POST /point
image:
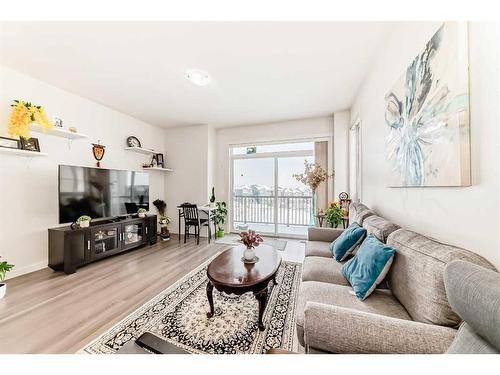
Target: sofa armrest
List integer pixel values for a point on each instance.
(323, 234)
(342, 330)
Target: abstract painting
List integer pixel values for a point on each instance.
(427, 115)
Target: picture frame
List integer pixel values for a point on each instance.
(30, 144)
(160, 160)
(10, 143)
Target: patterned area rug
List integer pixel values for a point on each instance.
(178, 314)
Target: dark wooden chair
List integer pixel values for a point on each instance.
(192, 220)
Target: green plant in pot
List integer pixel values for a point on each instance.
(334, 214)
(220, 215)
(83, 221)
(4, 268)
(142, 212)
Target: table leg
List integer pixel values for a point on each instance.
(210, 297)
(262, 298)
(179, 226)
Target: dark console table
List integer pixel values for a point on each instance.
(72, 248)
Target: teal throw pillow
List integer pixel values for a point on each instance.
(345, 244)
(368, 268)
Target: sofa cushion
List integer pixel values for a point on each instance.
(369, 267)
(474, 294)
(381, 302)
(318, 249)
(469, 342)
(417, 272)
(323, 269)
(358, 212)
(345, 245)
(379, 227)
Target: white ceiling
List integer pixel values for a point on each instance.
(261, 72)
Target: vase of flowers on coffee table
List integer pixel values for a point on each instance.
(251, 240)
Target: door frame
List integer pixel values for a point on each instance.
(274, 155)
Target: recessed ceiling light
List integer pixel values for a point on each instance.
(198, 77)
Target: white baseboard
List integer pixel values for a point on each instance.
(26, 269)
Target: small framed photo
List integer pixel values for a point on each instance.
(160, 161)
(30, 144)
(9, 143)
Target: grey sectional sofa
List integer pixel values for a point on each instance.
(408, 313)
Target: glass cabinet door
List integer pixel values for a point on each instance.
(133, 234)
(105, 240)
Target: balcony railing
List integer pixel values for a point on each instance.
(261, 209)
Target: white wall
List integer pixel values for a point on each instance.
(191, 153)
(465, 216)
(320, 127)
(28, 187)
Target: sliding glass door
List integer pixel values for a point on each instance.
(265, 195)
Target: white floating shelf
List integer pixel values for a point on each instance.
(141, 150)
(159, 169)
(18, 152)
(58, 132)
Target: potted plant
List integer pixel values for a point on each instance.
(219, 217)
(4, 268)
(334, 214)
(83, 221)
(142, 212)
(22, 115)
(251, 240)
(314, 174)
(164, 220)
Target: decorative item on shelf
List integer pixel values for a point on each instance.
(219, 217)
(142, 212)
(153, 163)
(98, 151)
(334, 214)
(22, 115)
(4, 268)
(83, 221)
(10, 143)
(251, 240)
(345, 202)
(58, 122)
(30, 144)
(72, 129)
(160, 160)
(212, 197)
(313, 176)
(133, 141)
(164, 220)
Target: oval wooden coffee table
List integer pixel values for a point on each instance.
(228, 274)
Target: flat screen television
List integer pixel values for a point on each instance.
(100, 193)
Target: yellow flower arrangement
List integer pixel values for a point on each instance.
(21, 117)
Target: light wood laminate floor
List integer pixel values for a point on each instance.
(50, 312)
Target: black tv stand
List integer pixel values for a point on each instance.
(72, 248)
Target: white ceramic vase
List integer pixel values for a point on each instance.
(3, 289)
(249, 253)
(83, 224)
